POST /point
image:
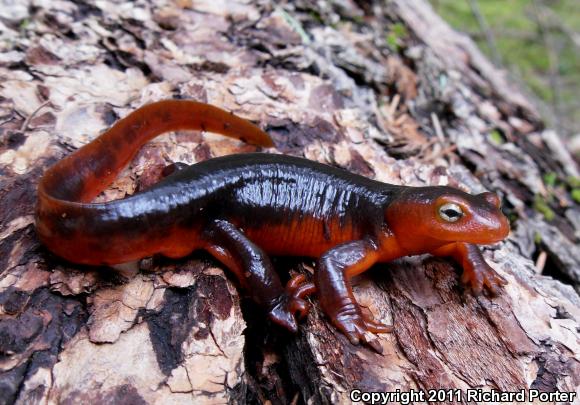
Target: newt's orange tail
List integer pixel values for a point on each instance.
(85, 173)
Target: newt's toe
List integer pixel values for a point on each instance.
(281, 316)
(359, 328)
(483, 278)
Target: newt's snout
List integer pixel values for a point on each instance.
(491, 198)
(489, 213)
(498, 224)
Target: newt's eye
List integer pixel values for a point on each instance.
(450, 212)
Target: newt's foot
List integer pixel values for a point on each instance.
(284, 312)
(281, 315)
(292, 303)
(483, 276)
(359, 328)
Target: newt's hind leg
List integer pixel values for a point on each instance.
(255, 273)
(173, 168)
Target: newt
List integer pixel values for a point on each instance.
(243, 208)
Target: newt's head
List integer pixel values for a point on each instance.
(445, 214)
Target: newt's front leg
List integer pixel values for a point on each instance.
(477, 274)
(332, 279)
(256, 274)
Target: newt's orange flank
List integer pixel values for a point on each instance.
(243, 208)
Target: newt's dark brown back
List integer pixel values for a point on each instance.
(285, 204)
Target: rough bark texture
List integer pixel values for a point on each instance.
(384, 89)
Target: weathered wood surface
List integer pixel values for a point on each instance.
(339, 82)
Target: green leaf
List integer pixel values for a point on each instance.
(393, 42)
(496, 137)
(399, 30)
(550, 179)
(576, 195)
(395, 37)
(543, 208)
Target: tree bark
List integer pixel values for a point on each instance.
(383, 89)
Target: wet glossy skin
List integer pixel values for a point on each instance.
(243, 208)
